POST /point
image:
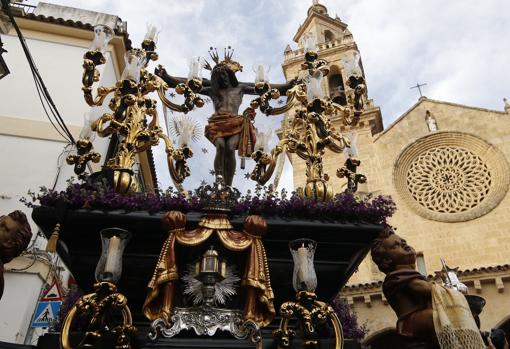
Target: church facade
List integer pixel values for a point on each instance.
(446, 167)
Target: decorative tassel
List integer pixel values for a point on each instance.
(52, 241)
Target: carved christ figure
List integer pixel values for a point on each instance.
(226, 129)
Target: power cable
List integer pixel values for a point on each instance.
(44, 95)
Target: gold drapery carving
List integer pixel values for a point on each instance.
(259, 305)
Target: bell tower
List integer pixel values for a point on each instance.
(336, 45)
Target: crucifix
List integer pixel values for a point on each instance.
(418, 85)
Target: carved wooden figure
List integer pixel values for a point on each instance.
(15, 234)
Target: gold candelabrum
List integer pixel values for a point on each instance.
(310, 312)
(104, 313)
(134, 118)
(83, 155)
(348, 171)
(309, 132)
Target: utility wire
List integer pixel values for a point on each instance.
(42, 91)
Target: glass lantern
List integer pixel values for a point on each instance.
(314, 86)
(152, 33)
(261, 72)
(102, 36)
(88, 119)
(352, 151)
(352, 66)
(263, 139)
(135, 61)
(310, 42)
(195, 68)
(303, 277)
(113, 242)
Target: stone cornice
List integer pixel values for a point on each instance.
(470, 276)
(425, 99)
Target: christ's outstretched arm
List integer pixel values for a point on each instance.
(173, 81)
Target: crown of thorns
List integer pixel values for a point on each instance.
(227, 61)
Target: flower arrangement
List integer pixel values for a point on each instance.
(262, 201)
(349, 320)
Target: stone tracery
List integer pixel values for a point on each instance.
(449, 179)
(451, 176)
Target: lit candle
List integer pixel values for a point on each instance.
(302, 253)
(112, 257)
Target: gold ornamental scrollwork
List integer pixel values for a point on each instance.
(309, 132)
(133, 117)
(310, 313)
(95, 308)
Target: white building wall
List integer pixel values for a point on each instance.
(33, 162)
(17, 305)
(60, 65)
(30, 153)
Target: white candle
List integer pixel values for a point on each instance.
(302, 254)
(310, 42)
(86, 131)
(260, 74)
(353, 150)
(314, 86)
(195, 68)
(102, 35)
(112, 255)
(151, 32)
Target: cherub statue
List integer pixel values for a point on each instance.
(406, 290)
(226, 129)
(15, 234)
(428, 313)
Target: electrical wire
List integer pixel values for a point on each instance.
(32, 251)
(60, 163)
(44, 95)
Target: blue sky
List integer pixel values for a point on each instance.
(460, 48)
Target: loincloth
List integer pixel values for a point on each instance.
(223, 125)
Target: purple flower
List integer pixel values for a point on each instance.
(349, 321)
(100, 196)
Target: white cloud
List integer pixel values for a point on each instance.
(458, 47)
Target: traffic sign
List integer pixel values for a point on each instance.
(46, 312)
(53, 293)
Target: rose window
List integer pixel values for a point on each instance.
(451, 176)
(448, 179)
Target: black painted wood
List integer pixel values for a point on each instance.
(51, 341)
(341, 247)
